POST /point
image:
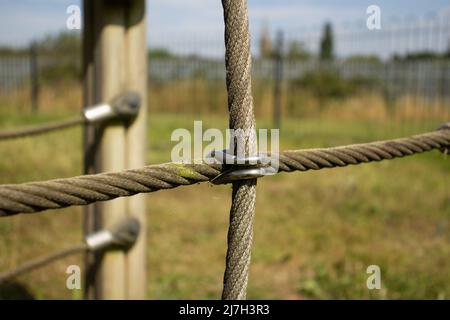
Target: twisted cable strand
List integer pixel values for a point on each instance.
(240, 106)
(34, 197)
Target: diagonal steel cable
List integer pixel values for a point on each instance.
(121, 236)
(42, 261)
(125, 107)
(40, 129)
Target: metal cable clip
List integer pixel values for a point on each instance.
(125, 106)
(241, 168)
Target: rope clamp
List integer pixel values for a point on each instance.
(125, 107)
(241, 168)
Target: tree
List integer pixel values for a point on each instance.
(366, 59)
(66, 44)
(297, 51)
(326, 43)
(265, 44)
(59, 57)
(447, 54)
(159, 53)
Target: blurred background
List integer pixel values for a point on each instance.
(322, 77)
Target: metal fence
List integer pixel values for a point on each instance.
(14, 74)
(406, 62)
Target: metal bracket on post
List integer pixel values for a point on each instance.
(125, 107)
(120, 237)
(241, 168)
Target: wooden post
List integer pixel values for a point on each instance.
(278, 77)
(90, 140)
(114, 44)
(136, 143)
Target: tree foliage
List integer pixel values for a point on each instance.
(326, 43)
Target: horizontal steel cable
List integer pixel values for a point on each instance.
(38, 196)
(40, 129)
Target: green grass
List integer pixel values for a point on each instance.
(315, 232)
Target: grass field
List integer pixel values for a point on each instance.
(315, 232)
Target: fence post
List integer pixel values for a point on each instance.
(90, 140)
(114, 41)
(136, 143)
(278, 78)
(34, 84)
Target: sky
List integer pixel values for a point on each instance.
(170, 22)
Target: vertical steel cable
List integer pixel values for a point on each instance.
(240, 106)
